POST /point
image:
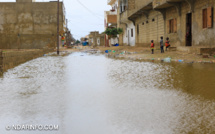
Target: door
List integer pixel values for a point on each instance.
(189, 29)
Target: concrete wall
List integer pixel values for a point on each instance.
(14, 58)
(28, 25)
(203, 37)
(152, 30)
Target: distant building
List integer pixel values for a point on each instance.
(26, 24)
(96, 39)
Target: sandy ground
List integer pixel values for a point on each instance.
(141, 53)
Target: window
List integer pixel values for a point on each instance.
(123, 6)
(132, 34)
(172, 26)
(98, 41)
(207, 17)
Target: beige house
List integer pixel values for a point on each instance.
(188, 23)
(96, 39)
(26, 24)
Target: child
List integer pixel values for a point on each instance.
(167, 43)
(161, 44)
(152, 46)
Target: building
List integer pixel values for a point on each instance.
(188, 23)
(25, 24)
(96, 39)
(125, 8)
(111, 21)
(149, 23)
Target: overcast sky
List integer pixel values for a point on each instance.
(83, 15)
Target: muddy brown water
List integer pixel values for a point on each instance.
(93, 94)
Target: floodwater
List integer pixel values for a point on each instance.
(92, 94)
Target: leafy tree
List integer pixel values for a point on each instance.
(77, 42)
(113, 32)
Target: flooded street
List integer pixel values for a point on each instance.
(92, 94)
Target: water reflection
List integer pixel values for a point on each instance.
(89, 94)
(157, 98)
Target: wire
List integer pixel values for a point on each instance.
(75, 23)
(89, 10)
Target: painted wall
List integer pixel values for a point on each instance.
(131, 40)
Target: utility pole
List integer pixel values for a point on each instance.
(58, 14)
(67, 33)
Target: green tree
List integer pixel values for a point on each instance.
(77, 42)
(113, 32)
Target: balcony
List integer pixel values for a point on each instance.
(144, 9)
(112, 19)
(159, 4)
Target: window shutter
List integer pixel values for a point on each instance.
(204, 18)
(209, 17)
(175, 25)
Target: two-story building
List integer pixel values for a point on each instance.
(188, 23)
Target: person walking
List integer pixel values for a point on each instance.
(161, 44)
(167, 43)
(152, 46)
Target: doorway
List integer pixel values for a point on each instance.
(189, 29)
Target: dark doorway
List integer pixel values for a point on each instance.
(189, 29)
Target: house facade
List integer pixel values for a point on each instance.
(188, 23)
(96, 39)
(25, 24)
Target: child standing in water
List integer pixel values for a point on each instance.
(152, 46)
(161, 45)
(167, 43)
